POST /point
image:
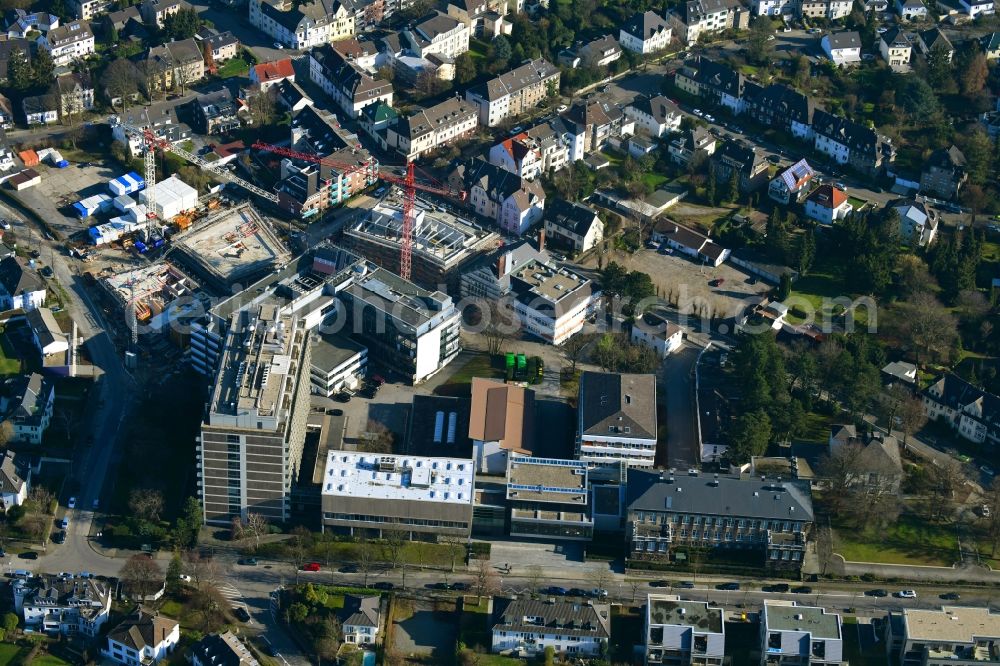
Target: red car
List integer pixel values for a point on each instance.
(718, 282)
(311, 566)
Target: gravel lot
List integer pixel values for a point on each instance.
(61, 188)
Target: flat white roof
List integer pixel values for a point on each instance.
(414, 478)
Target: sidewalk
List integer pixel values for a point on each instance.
(917, 573)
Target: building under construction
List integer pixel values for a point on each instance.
(232, 246)
(442, 243)
(161, 292)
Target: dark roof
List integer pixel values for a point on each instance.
(751, 498)
(359, 611)
(719, 77)
(739, 153)
(216, 104)
(425, 121)
(221, 39)
(947, 158)
(317, 11)
(609, 402)
(781, 101)
(498, 183)
(39, 104)
(68, 83)
(18, 278)
(659, 107)
(565, 618)
(573, 217)
(593, 112)
(896, 38)
(28, 396)
(934, 38)
(516, 79)
(956, 393)
(645, 25)
(347, 76)
(74, 31)
(424, 421)
(142, 628)
(222, 650)
(855, 136)
(844, 40)
(10, 480)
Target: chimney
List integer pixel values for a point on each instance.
(502, 265)
(541, 239)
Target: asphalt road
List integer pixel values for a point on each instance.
(675, 382)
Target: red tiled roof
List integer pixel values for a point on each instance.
(274, 71)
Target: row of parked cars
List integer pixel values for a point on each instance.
(595, 593)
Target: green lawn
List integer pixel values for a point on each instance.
(9, 365)
(654, 179)
(233, 67)
(911, 540)
(478, 48)
(480, 365)
(48, 660)
(821, 283)
(8, 653)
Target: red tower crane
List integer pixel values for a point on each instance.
(408, 182)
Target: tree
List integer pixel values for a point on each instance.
(146, 504)
(204, 570)
(750, 436)
(487, 582)
(945, 478)
(803, 71)
(395, 541)
(465, 68)
(501, 52)
(839, 469)
(991, 500)
(188, 524)
(534, 575)
(263, 106)
(940, 71)
(784, 286)
(19, 73)
(6, 433)
(758, 42)
(141, 575)
(923, 323)
(111, 33)
(573, 349)
(250, 529)
(10, 622)
(711, 193)
(919, 100)
(807, 251)
(912, 416)
(377, 438)
(974, 74)
(174, 570)
(42, 68)
(501, 324)
(366, 558)
(182, 24)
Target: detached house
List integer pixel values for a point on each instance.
(600, 52)
(216, 112)
(689, 243)
(173, 65)
(515, 92)
(827, 204)
(936, 41)
(896, 49)
(973, 413)
(68, 43)
(944, 173)
(573, 224)
(437, 34)
(67, 605)
(526, 627)
(351, 87)
(76, 93)
(646, 32)
(977, 8)
(303, 25)
(40, 109)
(918, 222)
(741, 159)
(990, 44)
(657, 115)
(911, 10)
(501, 424)
(596, 124)
(29, 408)
(14, 484)
(484, 18)
(143, 638)
(656, 332)
(426, 130)
(20, 285)
(51, 343)
(221, 650)
(514, 202)
(695, 141)
(878, 456)
(791, 183)
(269, 74)
(698, 17)
(360, 619)
(156, 12)
(843, 48)
(222, 45)
(616, 419)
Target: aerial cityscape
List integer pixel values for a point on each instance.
(499, 332)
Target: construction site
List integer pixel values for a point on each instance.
(442, 242)
(161, 293)
(231, 246)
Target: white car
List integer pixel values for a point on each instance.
(786, 29)
(279, 45)
(185, 578)
(4, 224)
(697, 112)
(882, 30)
(907, 594)
(710, 118)
(72, 503)
(561, 108)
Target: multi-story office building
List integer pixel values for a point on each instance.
(793, 635)
(951, 635)
(552, 303)
(337, 363)
(616, 418)
(423, 497)
(683, 633)
(252, 437)
(549, 499)
(667, 512)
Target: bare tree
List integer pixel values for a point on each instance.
(487, 582)
(42, 498)
(455, 549)
(249, 530)
(573, 349)
(204, 571)
(634, 585)
(395, 540)
(366, 558)
(120, 81)
(263, 107)
(599, 576)
(945, 479)
(298, 546)
(840, 469)
(141, 575)
(502, 325)
(912, 416)
(377, 438)
(534, 575)
(146, 503)
(6, 430)
(991, 501)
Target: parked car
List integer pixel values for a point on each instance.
(555, 591)
(437, 586)
(248, 561)
(659, 583)
(241, 614)
(4, 224)
(599, 593)
(310, 566)
(802, 589)
(877, 593)
(279, 45)
(28, 555)
(383, 585)
(950, 596)
(686, 585)
(71, 503)
(348, 568)
(718, 282)
(46, 272)
(697, 112)
(907, 594)
(728, 586)
(461, 587)
(576, 592)
(59, 537)
(184, 577)
(63, 523)
(777, 587)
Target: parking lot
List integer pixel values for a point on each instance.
(53, 199)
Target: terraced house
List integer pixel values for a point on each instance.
(514, 92)
(428, 129)
(351, 87)
(302, 25)
(68, 42)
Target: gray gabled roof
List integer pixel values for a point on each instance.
(360, 611)
(573, 217)
(725, 496)
(644, 25)
(844, 40)
(564, 618)
(609, 402)
(16, 278)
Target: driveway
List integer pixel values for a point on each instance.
(675, 384)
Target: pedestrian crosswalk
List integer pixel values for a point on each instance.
(234, 597)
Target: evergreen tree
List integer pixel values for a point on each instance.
(19, 73)
(734, 186)
(42, 68)
(784, 287)
(710, 192)
(807, 251)
(111, 34)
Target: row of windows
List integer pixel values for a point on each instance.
(415, 522)
(658, 518)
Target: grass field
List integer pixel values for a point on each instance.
(8, 365)
(480, 365)
(654, 179)
(911, 540)
(478, 49)
(8, 653)
(48, 660)
(233, 67)
(822, 282)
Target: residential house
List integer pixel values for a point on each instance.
(269, 74)
(830, 10)
(990, 45)
(911, 10)
(549, 498)
(827, 204)
(14, 484)
(292, 97)
(600, 52)
(526, 627)
(65, 604)
(48, 338)
(637, 146)
(426, 130)
(972, 412)
(713, 81)
(976, 8)
(29, 408)
(160, 118)
(360, 619)
(6, 122)
(216, 112)
(120, 19)
(573, 225)
(40, 109)
(597, 123)
(351, 87)
(303, 25)
(896, 49)
(848, 142)
(932, 637)
(76, 93)
(21, 23)
(513, 202)
(616, 419)
(553, 138)
(552, 303)
(695, 141)
(935, 40)
(944, 173)
(514, 92)
(173, 65)
(656, 115)
(775, 7)
(780, 106)
(646, 32)
(842, 48)
(683, 633)
(878, 457)
(221, 650)
(699, 17)
(155, 12)
(485, 18)
(68, 43)
(899, 371)
(791, 634)
(222, 45)
(739, 160)
(437, 34)
(668, 514)
(918, 222)
(791, 183)
(501, 424)
(689, 242)
(21, 288)
(657, 333)
(144, 637)
(518, 154)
